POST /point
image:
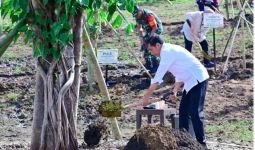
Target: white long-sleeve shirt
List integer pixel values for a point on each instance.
(182, 64)
(197, 19)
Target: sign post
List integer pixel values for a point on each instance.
(107, 57)
(213, 21)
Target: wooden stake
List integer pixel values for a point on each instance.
(227, 12)
(232, 7)
(231, 46)
(242, 35)
(101, 82)
(214, 49)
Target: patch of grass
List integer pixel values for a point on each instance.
(107, 46)
(8, 55)
(235, 130)
(124, 56)
(17, 50)
(3, 105)
(12, 96)
(18, 70)
(152, 2)
(179, 0)
(132, 61)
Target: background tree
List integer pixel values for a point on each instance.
(55, 28)
(1, 28)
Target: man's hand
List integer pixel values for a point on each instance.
(146, 97)
(146, 101)
(196, 39)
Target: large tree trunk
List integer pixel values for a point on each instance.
(57, 94)
(56, 131)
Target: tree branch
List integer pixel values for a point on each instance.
(6, 40)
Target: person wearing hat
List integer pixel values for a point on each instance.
(194, 32)
(189, 73)
(149, 22)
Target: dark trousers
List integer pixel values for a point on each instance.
(201, 5)
(204, 45)
(192, 106)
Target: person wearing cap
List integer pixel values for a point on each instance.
(194, 32)
(190, 74)
(149, 22)
(212, 4)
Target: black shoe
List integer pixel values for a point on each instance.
(209, 64)
(204, 146)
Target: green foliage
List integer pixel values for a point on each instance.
(117, 22)
(108, 14)
(84, 3)
(130, 28)
(15, 9)
(111, 10)
(54, 30)
(235, 130)
(7, 24)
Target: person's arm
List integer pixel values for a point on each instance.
(191, 17)
(165, 62)
(148, 93)
(193, 31)
(139, 30)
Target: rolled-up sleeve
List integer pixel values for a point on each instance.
(164, 65)
(158, 78)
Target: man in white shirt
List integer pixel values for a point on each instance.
(194, 31)
(188, 71)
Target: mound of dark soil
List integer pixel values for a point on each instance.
(185, 141)
(161, 138)
(94, 133)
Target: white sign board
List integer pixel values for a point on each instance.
(107, 56)
(213, 20)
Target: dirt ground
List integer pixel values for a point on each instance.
(229, 97)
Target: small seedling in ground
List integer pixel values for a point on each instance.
(17, 70)
(12, 96)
